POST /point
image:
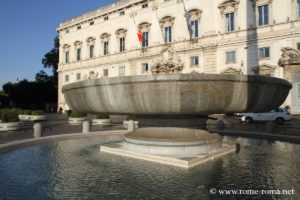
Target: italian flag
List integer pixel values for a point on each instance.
(140, 35)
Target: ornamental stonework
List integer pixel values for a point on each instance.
(231, 5)
(167, 63)
(289, 56)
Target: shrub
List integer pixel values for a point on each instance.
(19, 111)
(37, 112)
(27, 112)
(77, 114)
(131, 117)
(9, 116)
(102, 116)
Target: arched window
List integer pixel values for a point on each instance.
(91, 46)
(167, 24)
(66, 50)
(121, 36)
(195, 16)
(78, 46)
(228, 9)
(105, 43)
(145, 29)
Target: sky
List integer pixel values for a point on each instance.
(27, 30)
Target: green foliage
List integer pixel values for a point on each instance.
(27, 112)
(131, 117)
(17, 110)
(42, 76)
(37, 112)
(51, 59)
(75, 114)
(9, 115)
(4, 101)
(102, 116)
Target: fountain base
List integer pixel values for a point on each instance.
(182, 147)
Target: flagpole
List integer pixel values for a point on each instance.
(154, 8)
(134, 22)
(187, 18)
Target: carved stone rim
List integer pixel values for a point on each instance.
(175, 77)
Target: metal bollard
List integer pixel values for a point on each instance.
(37, 130)
(131, 126)
(86, 127)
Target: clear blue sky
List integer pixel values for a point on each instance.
(27, 30)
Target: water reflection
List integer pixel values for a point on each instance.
(75, 169)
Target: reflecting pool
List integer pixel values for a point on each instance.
(76, 169)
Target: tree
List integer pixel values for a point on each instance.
(51, 59)
(42, 76)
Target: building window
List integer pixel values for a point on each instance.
(229, 22)
(264, 52)
(66, 78)
(230, 57)
(67, 55)
(145, 67)
(145, 39)
(78, 54)
(298, 46)
(78, 27)
(78, 76)
(194, 27)
(263, 15)
(122, 44)
(194, 61)
(121, 13)
(145, 5)
(105, 48)
(91, 51)
(92, 23)
(67, 31)
(168, 34)
(105, 72)
(121, 71)
(105, 18)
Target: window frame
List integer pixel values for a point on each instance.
(105, 48)
(145, 5)
(194, 61)
(229, 57)
(78, 54)
(78, 76)
(168, 34)
(230, 22)
(91, 51)
(67, 78)
(262, 53)
(195, 28)
(122, 44)
(145, 68)
(105, 72)
(145, 42)
(264, 21)
(67, 56)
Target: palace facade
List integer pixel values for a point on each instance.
(216, 36)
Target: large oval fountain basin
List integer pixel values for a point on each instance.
(177, 94)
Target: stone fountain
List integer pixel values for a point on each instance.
(173, 108)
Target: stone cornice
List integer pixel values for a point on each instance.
(98, 13)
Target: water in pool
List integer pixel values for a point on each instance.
(75, 169)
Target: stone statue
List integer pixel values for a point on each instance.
(167, 63)
(288, 55)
